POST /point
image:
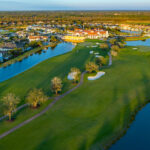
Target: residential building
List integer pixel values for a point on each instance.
(7, 46)
(21, 34)
(90, 34)
(37, 38)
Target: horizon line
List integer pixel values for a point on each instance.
(78, 10)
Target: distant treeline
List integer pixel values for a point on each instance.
(65, 17)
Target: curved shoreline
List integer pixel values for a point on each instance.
(23, 56)
(19, 67)
(19, 58)
(124, 131)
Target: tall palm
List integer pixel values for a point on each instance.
(35, 97)
(76, 74)
(56, 85)
(10, 102)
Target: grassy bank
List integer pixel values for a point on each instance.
(92, 115)
(94, 40)
(21, 57)
(136, 38)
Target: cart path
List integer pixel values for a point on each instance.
(50, 105)
(45, 110)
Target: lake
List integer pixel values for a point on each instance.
(138, 43)
(27, 63)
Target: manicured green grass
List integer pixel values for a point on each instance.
(94, 40)
(21, 116)
(93, 114)
(136, 38)
(143, 48)
(40, 76)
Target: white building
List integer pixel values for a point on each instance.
(91, 34)
(37, 38)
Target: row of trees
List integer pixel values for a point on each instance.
(95, 66)
(10, 101)
(34, 44)
(56, 83)
(23, 18)
(104, 46)
(36, 97)
(116, 44)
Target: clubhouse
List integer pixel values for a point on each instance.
(79, 35)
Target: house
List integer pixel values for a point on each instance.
(50, 30)
(111, 26)
(147, 34)
(33, 27)
(21, 34)
(125, 27)
(40, 22)
(37, 38)
(7, 46)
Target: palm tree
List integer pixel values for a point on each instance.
(36, 97)
(112, 41)
(91, 67)
(56, 85)
(100, 61)
(10, 102)
(76, 74)
(115, 48)
(104, 46)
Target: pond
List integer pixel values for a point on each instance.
(138, 135)
(27, 63)
(138, 43)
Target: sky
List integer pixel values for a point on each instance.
(74, 5)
